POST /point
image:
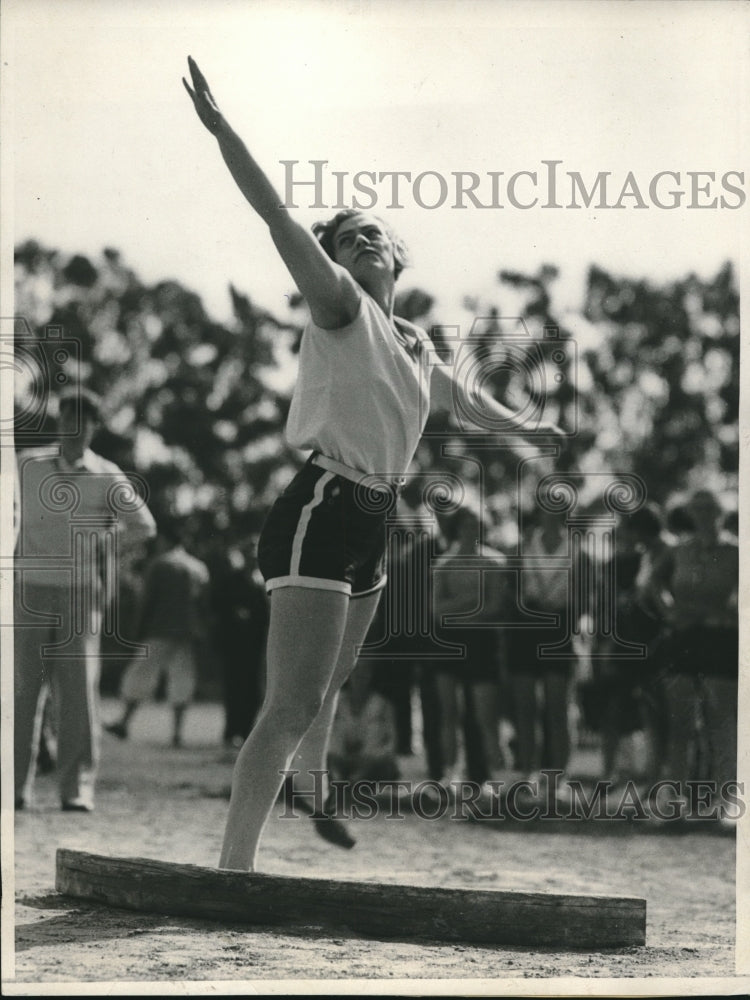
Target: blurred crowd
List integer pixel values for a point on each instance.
(627, 674)
(493, 680)
(485, 662)
(495, 655)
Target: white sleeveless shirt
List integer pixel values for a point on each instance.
(362, 397)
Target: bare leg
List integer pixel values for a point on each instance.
(312, 753)
(306, 633)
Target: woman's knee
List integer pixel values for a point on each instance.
(293, 716)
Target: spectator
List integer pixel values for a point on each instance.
(541, 686)
(241, 619)
(173, 623)
(700, 574)
(73, 504)
(630, 690)
(466, 583)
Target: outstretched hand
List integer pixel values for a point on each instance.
(203, 101)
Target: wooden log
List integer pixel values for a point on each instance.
(374, 909)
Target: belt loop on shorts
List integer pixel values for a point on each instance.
(354, 475)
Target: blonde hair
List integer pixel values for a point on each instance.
(325, 233)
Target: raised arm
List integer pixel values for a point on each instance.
(332, 295)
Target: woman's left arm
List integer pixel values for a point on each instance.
(447, 391)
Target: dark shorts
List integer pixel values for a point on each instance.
(325, 532)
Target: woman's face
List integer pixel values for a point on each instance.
(362, 245)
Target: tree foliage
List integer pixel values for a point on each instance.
(651, 379)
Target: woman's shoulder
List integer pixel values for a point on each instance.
(362, 310)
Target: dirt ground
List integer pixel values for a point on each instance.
(157, 802)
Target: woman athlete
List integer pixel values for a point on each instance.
(366, 380)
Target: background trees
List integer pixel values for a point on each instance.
(197, 407)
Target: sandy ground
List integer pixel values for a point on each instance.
(167, 804)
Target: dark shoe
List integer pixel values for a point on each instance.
(117, 729)
(334, 831)
(330, 828)
(326, 826)
(78, 806)
(20, 804)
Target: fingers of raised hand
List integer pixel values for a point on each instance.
(202, 99)
(199, 81)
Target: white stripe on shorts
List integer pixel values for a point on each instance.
(304, 520)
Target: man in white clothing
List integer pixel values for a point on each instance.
(78, 514)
